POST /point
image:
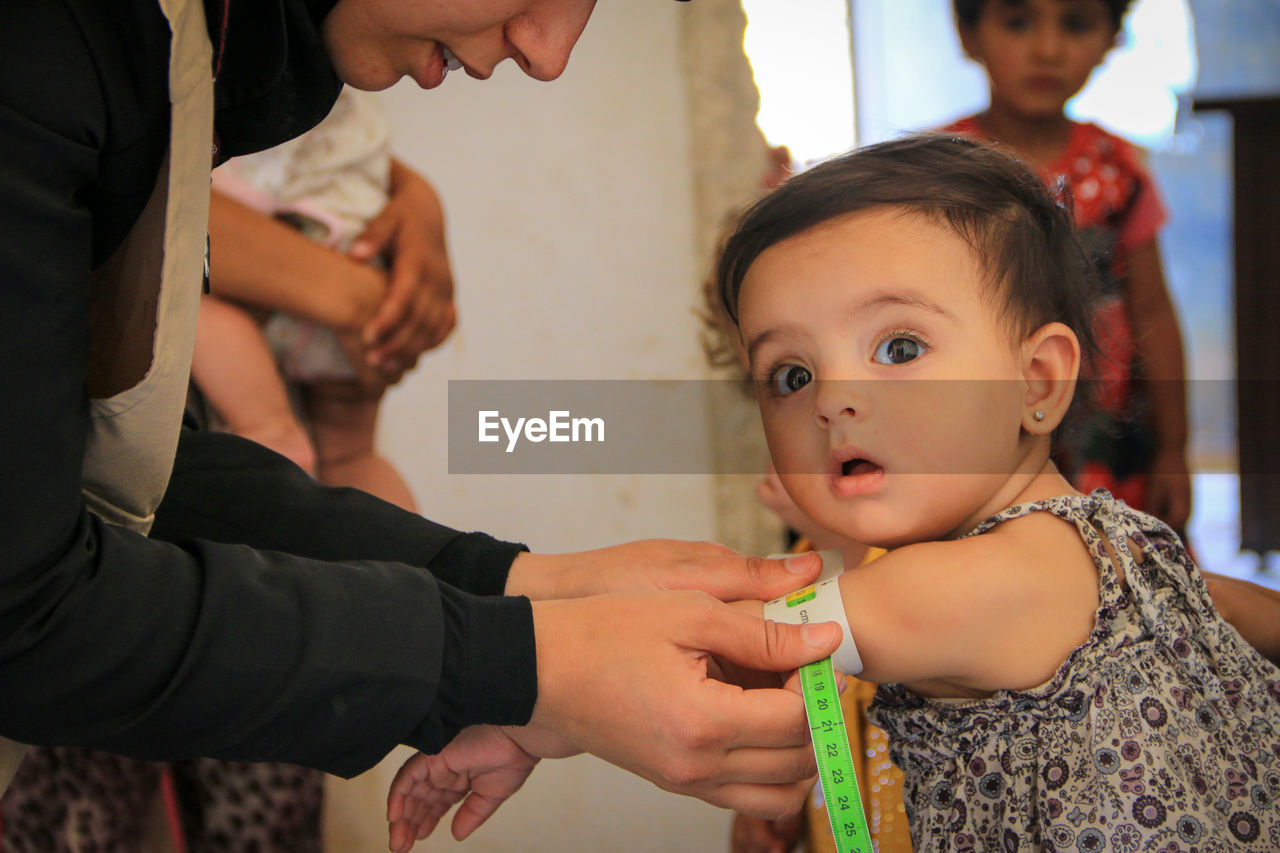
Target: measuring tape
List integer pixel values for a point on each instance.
(836, 773)
(821, 602)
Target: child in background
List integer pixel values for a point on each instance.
(1037, 55)
(328, 183)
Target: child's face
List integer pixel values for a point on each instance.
(1039, 53)
(891, 392)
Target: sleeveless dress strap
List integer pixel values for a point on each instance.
(1095, 518)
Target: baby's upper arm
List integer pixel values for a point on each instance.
(985, 613)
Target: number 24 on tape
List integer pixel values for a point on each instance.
(836, 771)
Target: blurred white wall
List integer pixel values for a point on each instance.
(570, 218)
(570, 223)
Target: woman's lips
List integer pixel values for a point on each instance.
(435, 67)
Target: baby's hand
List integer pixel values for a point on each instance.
(483, 764)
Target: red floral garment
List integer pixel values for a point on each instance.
(1117, 209)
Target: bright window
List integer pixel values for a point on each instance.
(799, 50)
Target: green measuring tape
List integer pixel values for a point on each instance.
(821, 602)
(836, 772)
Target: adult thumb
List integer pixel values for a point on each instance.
(732, 577)
(762, 644)
(375, 239)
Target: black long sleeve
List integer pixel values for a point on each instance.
(326, 651)
(227, 489)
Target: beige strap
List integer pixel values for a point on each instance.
(145, 301)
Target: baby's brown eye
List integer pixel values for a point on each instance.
(898, 350)
(790, 379)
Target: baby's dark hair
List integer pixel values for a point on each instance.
(969, 11)
(1035, 269)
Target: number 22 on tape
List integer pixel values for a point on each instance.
(835, 758)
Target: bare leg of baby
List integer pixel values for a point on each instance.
(235, 370)
(344, 418)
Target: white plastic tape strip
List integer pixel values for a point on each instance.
(821, 602)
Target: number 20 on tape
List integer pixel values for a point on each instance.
(835, 758)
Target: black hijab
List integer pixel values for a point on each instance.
(274, 78)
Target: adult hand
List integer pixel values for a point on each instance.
(1169, 489)
(417, 311)
(660, 564)
(625, 677)
(1252, 609)
(755, 835)
(258, 260)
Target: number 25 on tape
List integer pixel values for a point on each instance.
(835, 758)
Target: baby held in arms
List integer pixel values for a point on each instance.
(1054, 674)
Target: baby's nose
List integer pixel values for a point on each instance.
(837, 399)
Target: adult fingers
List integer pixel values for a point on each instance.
(780, 765)
(793, 685)
(434, 321)
(376, 236)
(770, 802)
(426, 320)
(755, 835)
(403, 286)
(732, 577)
(765, 717)
(763, 644)
(409, 335)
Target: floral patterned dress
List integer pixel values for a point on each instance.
(1160, 733)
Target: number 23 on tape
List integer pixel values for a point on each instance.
(835, 759)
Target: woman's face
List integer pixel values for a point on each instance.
(373, 43)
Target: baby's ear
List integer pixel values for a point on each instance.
(1050, 364)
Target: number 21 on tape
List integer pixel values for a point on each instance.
(835, 758)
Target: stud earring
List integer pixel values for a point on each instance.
(1039, 415)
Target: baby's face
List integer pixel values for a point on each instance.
(891, 393)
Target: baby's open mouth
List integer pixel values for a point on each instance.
(857, 467)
